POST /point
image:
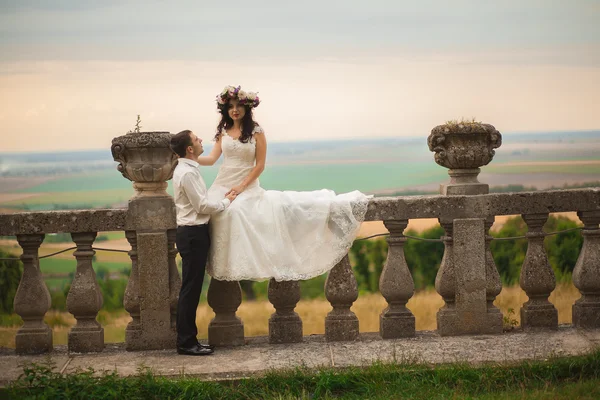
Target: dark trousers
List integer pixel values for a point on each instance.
(193, 243)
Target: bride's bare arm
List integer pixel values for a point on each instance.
(261, 156)
(213, 156)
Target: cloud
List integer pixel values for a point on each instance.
(153, 30)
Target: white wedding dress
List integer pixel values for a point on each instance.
(285, 235)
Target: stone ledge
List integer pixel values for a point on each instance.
(100, 220)
(482, 206)
(258, 357)
(380, 209)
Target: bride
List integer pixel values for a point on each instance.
(267, 234)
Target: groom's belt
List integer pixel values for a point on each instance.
(192, 226)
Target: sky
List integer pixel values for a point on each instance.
(75, 74)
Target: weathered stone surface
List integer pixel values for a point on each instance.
(445, 284)
(62, 221)
(145, 157)
(464, 182)
(380, 208)
(464, 146)
(341, 289)
(154, 286)
(32, 300)
(482, 206)
(225, 329)
(469, 256)
(152, 214)
(396, 286)
(285, 325)
(586, 275)
(537, 278)
(131, 299)
(85, 299)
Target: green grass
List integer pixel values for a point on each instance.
(555, 378)
(108, 179)
(62, 266)
(112, 235)
(104, 186)
(73, 199)
(57, 284)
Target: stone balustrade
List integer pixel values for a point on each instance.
(467, 279)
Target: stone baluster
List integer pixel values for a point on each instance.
(225, 329)
(85, 299)
(397, 286)
(586, 275)
(537, 278)
(174, 278)
(492, 277)
(32, 300)
(445, 283)
(341, 290)
(469, 314)
(285, 325)
(131, 300)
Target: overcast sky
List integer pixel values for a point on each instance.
(74, 74)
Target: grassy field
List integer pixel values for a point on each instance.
(590, 169)
(255, 314)
(71, 199)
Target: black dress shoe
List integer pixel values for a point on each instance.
(195, 350)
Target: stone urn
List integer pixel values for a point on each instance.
(146, 159)
(463, 148)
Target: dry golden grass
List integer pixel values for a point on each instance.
(255, 314)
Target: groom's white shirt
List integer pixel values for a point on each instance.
(191, 201)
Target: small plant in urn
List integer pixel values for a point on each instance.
(146, 159)
(463, 147)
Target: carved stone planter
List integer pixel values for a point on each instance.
(146, 159)
(463, 148)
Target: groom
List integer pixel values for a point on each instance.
(193, 241)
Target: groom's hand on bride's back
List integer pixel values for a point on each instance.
(231, 196)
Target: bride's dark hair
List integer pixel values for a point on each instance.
(248, 123)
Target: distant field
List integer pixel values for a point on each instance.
(369, 165)
(591, 169)
(83, 198)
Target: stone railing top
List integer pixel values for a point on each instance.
(482, 206)
(381, 208)
(100, 220)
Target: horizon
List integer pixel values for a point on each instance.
(314, 140)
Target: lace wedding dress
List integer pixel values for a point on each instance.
(285, 235)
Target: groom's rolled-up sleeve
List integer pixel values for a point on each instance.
(198, 198)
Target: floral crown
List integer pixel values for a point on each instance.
(231, 92)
